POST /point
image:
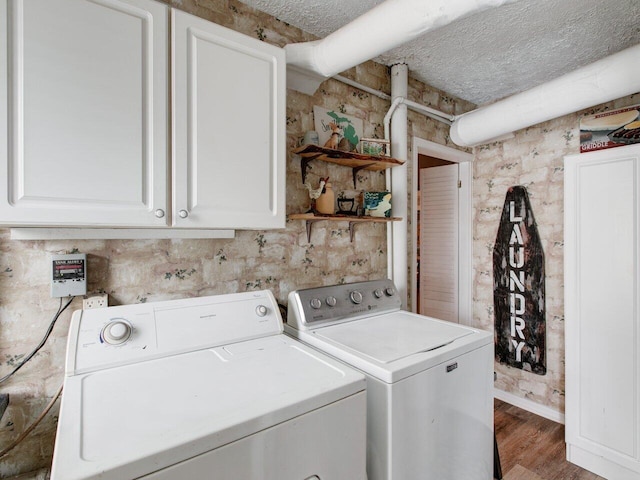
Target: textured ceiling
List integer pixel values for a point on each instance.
(495, 53)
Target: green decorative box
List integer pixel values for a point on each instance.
(375, 146)
(377, 204)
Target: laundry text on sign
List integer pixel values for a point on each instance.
(517, 301)
(518, 286)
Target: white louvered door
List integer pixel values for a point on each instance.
(439, 242)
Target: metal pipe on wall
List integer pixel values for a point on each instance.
(397, 232)
(387, 118)
(416, 107)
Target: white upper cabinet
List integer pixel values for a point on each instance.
(85, 130)
(228, 127)
(84, 108)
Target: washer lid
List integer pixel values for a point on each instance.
(128, 421)
(394, 336)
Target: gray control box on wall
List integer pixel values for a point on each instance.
(68, 275)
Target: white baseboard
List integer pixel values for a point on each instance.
(598, 464)
(529, 406)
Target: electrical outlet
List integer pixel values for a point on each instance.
(100, 300)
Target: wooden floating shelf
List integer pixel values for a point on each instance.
(356, 161)
(311, 218)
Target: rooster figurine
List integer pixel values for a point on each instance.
(314, 193)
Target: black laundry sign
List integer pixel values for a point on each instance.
(518, 287)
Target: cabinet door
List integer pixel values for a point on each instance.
(602, 310)
(84, 86)
(228, 128)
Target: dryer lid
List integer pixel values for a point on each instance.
(393, 336)
(128, 421)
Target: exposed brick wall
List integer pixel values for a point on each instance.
(534, 157)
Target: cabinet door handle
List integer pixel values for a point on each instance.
(183, 214)
(159, 213)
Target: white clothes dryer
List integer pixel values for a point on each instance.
(204, 388)
(429, 382)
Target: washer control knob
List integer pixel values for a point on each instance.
(356, 297)
(316, 303)
(390, 291)
(116, 332)
(331, 301)
(377, 293)
(261, 310)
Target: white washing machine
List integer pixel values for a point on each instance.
(429, 382)
(204, 388)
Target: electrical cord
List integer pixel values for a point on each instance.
(37, 420)
(22, 436)
(42, 342)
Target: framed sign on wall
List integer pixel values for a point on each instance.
(518, 286)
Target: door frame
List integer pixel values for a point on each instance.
(465, 216)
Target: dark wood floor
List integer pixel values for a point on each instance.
(532, 446)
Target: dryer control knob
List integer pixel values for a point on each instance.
(331, 301)
(377, 293)
(316, 303)
(116, 332)
(356, 297)
(389, 291)
(261, 310)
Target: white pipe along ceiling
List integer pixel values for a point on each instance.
(395, 22)
(382, 28)
(612, 77)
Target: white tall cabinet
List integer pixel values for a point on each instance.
(86, 136)
(602, 311)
